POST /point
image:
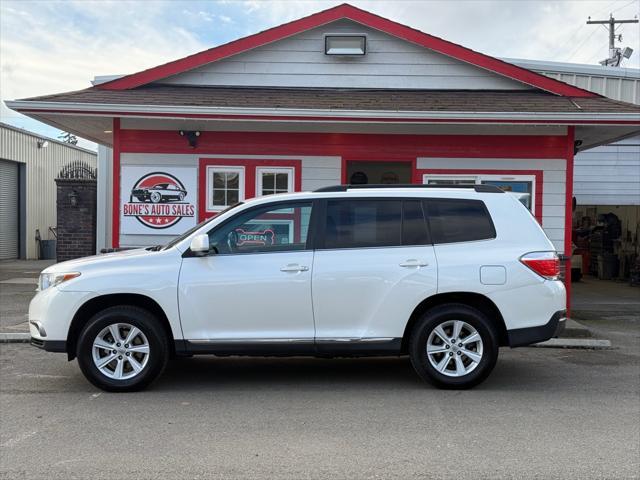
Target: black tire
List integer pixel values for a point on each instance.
(436, 316)
(148, 325)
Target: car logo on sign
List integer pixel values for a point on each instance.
(158, 200)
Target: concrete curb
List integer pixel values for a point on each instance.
(587, 343)
(15, 337)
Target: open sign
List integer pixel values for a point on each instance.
(261, 238)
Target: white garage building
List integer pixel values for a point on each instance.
(29, 164)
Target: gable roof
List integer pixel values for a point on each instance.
(346, 11)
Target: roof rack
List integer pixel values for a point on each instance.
(344, 188)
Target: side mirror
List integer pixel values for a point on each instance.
(200, 245)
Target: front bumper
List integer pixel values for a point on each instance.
(58, 346)
(50, 315)
(520, 337)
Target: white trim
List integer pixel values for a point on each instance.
(290, 171)
(169, 110)
(211, 169)
(479, 178)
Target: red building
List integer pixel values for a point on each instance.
(340, 96)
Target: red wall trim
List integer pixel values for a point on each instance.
(300, 118)
(538, 174)
(364, 146)
(115, 208)
(361, 16)
(250, 166)
(568, 213)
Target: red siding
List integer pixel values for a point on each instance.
(343, 144)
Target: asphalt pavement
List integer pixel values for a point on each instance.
(544, 413)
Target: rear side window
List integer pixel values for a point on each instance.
(363, 223)
(456, 220)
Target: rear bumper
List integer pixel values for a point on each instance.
(520, 337)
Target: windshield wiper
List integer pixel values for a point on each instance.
(154, 248)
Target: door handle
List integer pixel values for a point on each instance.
(412, 262)
(294, 267)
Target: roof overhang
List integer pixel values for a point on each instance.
(313, 115)
(94, 121)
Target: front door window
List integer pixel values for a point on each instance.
(281, 227)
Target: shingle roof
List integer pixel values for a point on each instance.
(345, 99)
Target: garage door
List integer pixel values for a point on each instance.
(8, 210)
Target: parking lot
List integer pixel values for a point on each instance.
(544, 413)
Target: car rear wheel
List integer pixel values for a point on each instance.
(122, 348)
(453, 346)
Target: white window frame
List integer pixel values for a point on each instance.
(211, 169)
(478, 179)
(290, 171)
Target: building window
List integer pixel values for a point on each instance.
(274, 180)
(225, 187)
(523, 186)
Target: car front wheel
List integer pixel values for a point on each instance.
(155, 197)
(122, 348)
(453, 346)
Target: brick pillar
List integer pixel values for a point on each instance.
(76, 210)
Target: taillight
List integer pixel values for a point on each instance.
(545, 264)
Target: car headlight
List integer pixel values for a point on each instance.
(47, 280)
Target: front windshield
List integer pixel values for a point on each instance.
(178, 239)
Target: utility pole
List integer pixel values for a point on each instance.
(615, 54)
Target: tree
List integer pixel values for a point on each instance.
(67, 137)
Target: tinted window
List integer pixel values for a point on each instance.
(275, 228)
(453, 220)
(414, 226)
(363, 223)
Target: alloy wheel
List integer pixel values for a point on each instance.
(120, 351)
(454, 348)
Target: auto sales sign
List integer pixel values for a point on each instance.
(157, 200)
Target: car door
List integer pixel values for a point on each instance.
(255, 285)
(374, 264)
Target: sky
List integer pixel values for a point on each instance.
(56, 46)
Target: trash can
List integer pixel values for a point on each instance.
(47, 249)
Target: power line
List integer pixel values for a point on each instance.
(580, 45)
(625, 5)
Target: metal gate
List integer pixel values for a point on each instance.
(9, 212)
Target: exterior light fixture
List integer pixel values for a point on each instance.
(345, 44)
(73, 198)
(192, 137)
(43, 143)
(108, 131)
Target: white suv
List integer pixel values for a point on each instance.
(445, 275)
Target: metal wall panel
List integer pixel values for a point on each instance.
(43, 165)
